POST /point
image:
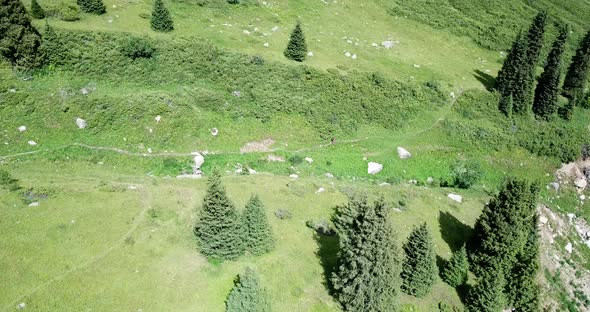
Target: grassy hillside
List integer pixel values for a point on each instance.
(115, 231)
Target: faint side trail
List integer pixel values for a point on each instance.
(272, 150)
(146, 199)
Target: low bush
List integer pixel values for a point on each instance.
(65, 10)
(466, 173)
(135, 48)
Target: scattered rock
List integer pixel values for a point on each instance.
(251, 171)
(132, 187)
(276, 28)
(149, 150)
(347, 54)
(416, 66)
(293, 176)
(329, 175)
(214, 131)
(543, 220)
(388, 44)
(413, 181)
(374, 168)
(569, 247)
(582, 197)
(12, 90)
(384, 184)
(21, 306)
(34, 204)
(158, 118)
(266, 45)
(81, 123)
(374, 45)
(580, 183)
(199, 160)
(32, 143)
(22, 128)
(430, 180)
(238, 171)
(309, 159)
(354, 56)
(403, 153)
(237, 93)
(84, 91)
(310, 54)
(189, 176)
(554, 185)
(320, 190)
(455, 197)
(246, 32)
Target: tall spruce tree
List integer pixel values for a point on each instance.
(92, 6)
(522, 288)
(487, 295)
(367, 278)
(499, 232)
(522, 96)
(247, 294)
(219, 228)
(258, 236)
(297, 48)
(545, 103)
(20, 42)
(36, 10)
(456, 269)
(511, 66)
(577, 74)
(161, 19)
(419, 269)
(51, 45)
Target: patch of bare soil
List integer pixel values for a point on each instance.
(257, 146)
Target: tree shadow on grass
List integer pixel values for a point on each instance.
(488, 81)
(328, 255)
(454, 232)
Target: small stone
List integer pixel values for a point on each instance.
(293, 176)
(158, 118)
(569, 247)
(34, 204)
(251, 171)
(347, 54)
(354, 56)
(413, 181)
(266, 45)
(403, 153)
(12, 90)
(374, 168)
(32, 143)
(329, 175)
(554, 185)
(320, 190)
(455, 197)
(416, 66)
(580, 183)
(81, 123)
(214, 131)
(276, 28)
(309, 159)
(246, 32)
(310, 54)
(84, 91)
(239, 171)
(429, 180)
(237, 93)
(22, 128)
(21, 306)
(149, 150)
(543, 220)
(582, 197)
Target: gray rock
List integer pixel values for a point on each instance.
(569, 248)
(374, 168)
(403, 153)
(455, 197)
(81, 123)
(430, 180)
(554, 185)
(21, 306)
(580, 183)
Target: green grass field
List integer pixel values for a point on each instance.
(115, 233)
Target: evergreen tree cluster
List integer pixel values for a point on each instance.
(92, 6)
(297, 48)
(368, 276)
(504, 251)
(577, 73)
(247, 295)
(222, 233)
(419, 269)
(161, 20)
(20, 42)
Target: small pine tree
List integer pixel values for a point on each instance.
(511, 67)
(486, 295)
(522, 289)
(523, 91)
(20, 42)
(297, 48)
(419, 269)
(567, 111)
(545, 103)
(161, 19)
(36, 10)
(258, 236)
(577, 74)
(247, 294)
(219, 229)
(505, 104)
(367, 279)
(92, 6)
(51, 45)
(455, 271)
(498, 233)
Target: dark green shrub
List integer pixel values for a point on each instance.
(161, 19)
(136, 48)
(297, 48)
(258, 236)
(36, 10)
(64, 10)
(247, 294)
(233, 1)
(466, 173)
(92, 6)
(296, 160)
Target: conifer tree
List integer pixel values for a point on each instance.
(36, 10)
(455, 271)
(92, 6)
(511, 66)
(522, 96)
(577, 74)
(219, 228)
(51, 45)
(297, 48)
(522, 289)
(419, 269)
(20, 42)
(505, 104)
(487, 295)
(161, 19)
(247, 294)
(499, 231)
(258, 237)
(367, 279)
(545, 102)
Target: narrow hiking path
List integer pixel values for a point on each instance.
(146, 199)
(439, 118)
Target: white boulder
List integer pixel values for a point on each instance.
(388, 44)
(21, 306)
(81, 123)
(251, 171)
(329, 175)
(455, 197)
(22, 128)
(309, 159)
(158, 118)
(320, 190)
(374, 168)
(199, 160)
(32, 143)
(403, 153)
(310, 54)
(34, 204)
(580, 183)
(293, 176)
(266, 45)
(569, 247)
(214, 131)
